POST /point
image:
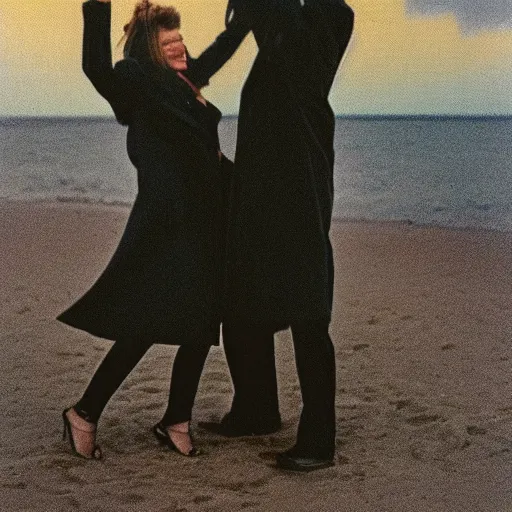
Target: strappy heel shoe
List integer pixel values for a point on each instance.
(96, 451)
(163, 437)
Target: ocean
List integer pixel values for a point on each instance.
(451, 172)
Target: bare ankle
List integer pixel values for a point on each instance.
(182, 428)
(78, 422)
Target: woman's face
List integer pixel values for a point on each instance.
(172, 48)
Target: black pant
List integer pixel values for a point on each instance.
(316, 368)
(120, 361)
(251, 360)
(250, 356)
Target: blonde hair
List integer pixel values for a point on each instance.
(152, 18)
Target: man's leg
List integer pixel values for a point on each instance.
(251, 360)
(316, 367)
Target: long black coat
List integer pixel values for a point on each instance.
(163, 284)
(280, 267)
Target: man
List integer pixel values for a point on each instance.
(279, 257)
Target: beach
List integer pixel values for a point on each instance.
(422, 327)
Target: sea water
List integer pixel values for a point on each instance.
(454, 172)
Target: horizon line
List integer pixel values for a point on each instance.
(234, 116)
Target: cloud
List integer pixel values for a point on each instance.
(472, 15)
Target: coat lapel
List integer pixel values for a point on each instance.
(169, 93)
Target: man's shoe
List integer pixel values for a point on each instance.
(229, 427)
(304, 463)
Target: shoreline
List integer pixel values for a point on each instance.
(126, 205)
(357, 117)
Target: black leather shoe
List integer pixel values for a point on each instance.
(229, 427)
(295, 462)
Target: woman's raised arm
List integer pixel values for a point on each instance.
(96, 50)
(97, 56)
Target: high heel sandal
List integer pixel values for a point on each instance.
(163, 437)
(96, 451)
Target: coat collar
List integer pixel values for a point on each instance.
(168, 92)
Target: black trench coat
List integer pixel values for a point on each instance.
(163, 284)
(280, 267)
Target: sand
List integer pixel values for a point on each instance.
(422, 328)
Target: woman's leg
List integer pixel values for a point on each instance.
(186, 373)
(112, 371)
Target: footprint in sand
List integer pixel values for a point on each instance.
(66, 353)
(249, 504)
(151, 389)
(423, 419)
(244, 484)
(438, 442)
(409, 406)
(475, 430)
(132, 498)
(202, 498)
(216, 375)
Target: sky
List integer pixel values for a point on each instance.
(406, 57)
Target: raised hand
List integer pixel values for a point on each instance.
(235, 13)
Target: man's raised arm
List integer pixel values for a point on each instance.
(217, 54)
(274, 23)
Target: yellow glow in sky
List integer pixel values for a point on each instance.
(396, 64)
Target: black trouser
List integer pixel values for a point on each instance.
(251, 360)
(250, 356)
(120, 361)
(316, 368)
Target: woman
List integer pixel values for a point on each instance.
(163, 284)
